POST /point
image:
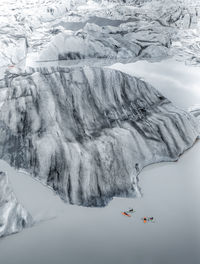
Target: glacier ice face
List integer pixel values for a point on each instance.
(88, 131)
(13, 217)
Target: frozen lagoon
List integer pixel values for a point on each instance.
(102, 235)
(179, 82)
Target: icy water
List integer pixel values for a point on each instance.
(178, 82)
(103, 235)
(73, 235)
(99, 21)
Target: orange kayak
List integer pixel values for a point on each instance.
(124, 213)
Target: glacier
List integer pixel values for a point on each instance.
(105, 34)
(13, 217)
(79, 127)
(98, 32)
(88, 131)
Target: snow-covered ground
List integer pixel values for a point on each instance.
(75, 234)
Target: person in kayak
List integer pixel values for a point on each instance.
(144, 219)
(147, 219)
(125, 213)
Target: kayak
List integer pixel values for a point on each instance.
(147, 219)
(124, 213)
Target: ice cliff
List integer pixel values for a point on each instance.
(13, 217)
(87, 132)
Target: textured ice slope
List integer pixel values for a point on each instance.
(87, 132)
(13, 217)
